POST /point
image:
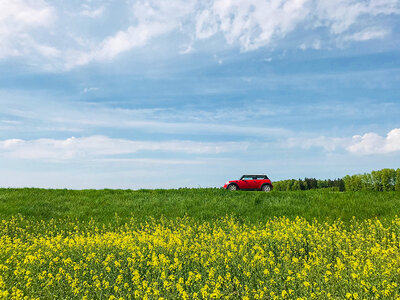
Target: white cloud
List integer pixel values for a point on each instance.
(150, 161)
(340, 15)
(372, 143)
(90, 89)
(12, 122)
(253, 24)
(367, 34)
(22, 13)
(369, 143)
(18, 18)
(206, 24)
(153, 18)
(134, 36)
(186, 49)
(93, 13)
(257, 23)
(328, 143)
(316, 45)
(100, 146)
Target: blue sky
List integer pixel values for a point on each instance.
(168, 94)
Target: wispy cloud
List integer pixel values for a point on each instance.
(11, 122)
(316, 45)
(89, 89)
(185, 49)
(367, 34)
(150, 161)
(90, 12)
(191, 121)
(327, 143)
(152, 18)
(101, 146)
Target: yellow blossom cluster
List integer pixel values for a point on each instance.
(188, 259)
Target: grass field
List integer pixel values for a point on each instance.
(199, 204)
(199, 244)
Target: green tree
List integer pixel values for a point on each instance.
(347, 182)
(357, 182)
(367, 182)
(377, 180)
(301, 184)
(296, 186)
(388, 179)
(397, 185)
(341, 185)
(289, 185)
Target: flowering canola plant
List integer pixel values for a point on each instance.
(188, 259)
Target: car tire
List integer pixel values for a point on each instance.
(266, 188)
(232, 187)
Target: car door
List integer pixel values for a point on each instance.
(246, 183)
(257, 182)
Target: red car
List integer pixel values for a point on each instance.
(250, 182)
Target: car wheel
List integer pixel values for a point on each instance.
(266, 188)
(232, 187)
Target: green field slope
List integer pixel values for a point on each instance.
(199, 204)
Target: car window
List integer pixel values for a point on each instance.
(256, 177)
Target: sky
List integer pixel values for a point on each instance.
(184, 93)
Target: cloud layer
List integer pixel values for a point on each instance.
(93, 147)
(33, 28)
(101, 146)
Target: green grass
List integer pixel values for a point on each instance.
(199, 204)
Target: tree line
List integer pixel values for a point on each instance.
(382, 180)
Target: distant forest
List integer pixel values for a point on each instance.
(382, 180)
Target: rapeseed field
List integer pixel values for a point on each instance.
(184, 258)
